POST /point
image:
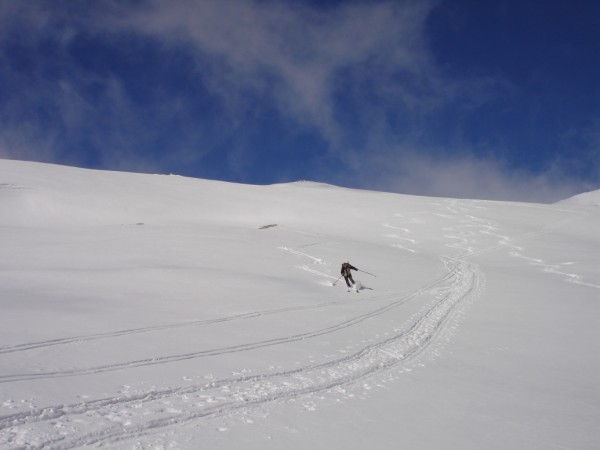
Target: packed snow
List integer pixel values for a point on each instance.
(153, 311)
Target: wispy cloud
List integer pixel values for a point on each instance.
(291, 53)
(464, 176)
(582, 146)
(286, 54)
(174, 84)
(56, 109)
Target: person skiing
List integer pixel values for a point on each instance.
(347, 274)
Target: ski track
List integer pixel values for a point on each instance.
(114, 420)
(113, 334)
(231, 349)
(231, 395)
(315, 260)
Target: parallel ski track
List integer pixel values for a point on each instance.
(244, 316)
(256, 390)
(253, 391)
(230, 349)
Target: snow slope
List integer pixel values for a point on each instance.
(591, 198)
(147, 311)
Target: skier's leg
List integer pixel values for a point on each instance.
(347, 282)
(351, 279)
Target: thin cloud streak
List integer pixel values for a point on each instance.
(465, 176)
(287, 51)
(358, 79)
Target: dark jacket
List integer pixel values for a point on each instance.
(346, 267)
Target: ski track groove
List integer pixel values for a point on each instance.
(231, 349)
(467, 283)
(238, 394)
(244, 316)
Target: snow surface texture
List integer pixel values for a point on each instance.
(146, 311)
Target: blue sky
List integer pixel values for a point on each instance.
(462, 98)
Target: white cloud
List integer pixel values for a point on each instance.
(461, 175)
(294, 57)
(289, 51)
(582, 146)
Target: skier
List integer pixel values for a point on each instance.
(347, 274)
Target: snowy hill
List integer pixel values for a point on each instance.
(150, 311)
(586, 199)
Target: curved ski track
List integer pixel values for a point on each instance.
(112, 420)
(233, 395)
(61, 426)
(234, 348)
(91, 337)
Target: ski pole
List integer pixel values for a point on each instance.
(364, 271)
(336, 280)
